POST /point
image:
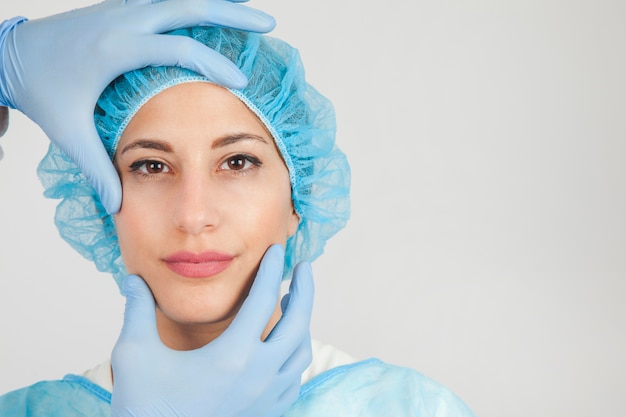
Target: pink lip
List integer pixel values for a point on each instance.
(198, 265)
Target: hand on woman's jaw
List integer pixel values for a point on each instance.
(179, 336)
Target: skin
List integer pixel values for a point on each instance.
(200, 172)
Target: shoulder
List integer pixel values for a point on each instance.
(374, 388)
(71, 397)
(325, 357)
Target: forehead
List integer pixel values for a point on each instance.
(202, 103)
(193, 110)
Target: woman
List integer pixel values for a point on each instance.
(215, 182)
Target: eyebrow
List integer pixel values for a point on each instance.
(234, 138)
(166, 147)
(147, 144)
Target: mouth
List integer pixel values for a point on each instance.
(198, 265)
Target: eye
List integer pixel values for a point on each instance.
(240, 162)
(148, 167)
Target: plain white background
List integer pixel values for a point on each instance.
(486, 246)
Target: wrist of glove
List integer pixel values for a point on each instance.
(5, 28)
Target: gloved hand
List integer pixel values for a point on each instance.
(237, 374)
(54, 69)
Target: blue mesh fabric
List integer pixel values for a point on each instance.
(299, 118)
(369, 388)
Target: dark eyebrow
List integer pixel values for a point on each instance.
(147, 144)
(234, 138)
(166, 147)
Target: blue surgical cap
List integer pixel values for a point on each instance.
(300, 119)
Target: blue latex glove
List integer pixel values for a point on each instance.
(235, 375)
(54, 69)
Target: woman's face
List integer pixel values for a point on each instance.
(205, 193)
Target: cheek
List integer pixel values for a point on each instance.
(128, 231)
(135, 224)
(268, 213)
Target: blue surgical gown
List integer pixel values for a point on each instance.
(370, 388)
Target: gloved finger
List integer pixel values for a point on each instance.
(260, 303)
(167, 50)
(287, 396)
(297, 308)
(300, 359)
(140, 311)
(284, 302)
(173, 14)
(91, 157)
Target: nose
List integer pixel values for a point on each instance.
(196, 209)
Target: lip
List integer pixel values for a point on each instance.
(198, 265)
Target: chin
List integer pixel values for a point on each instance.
(192, 314)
